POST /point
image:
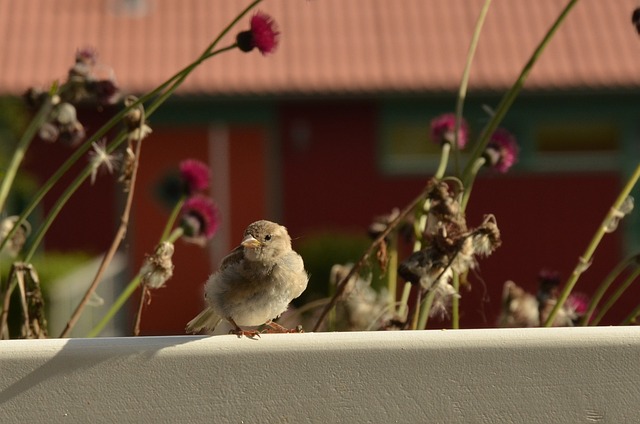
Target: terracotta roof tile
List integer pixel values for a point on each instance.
(326, 45)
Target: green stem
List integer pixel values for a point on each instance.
(604, 286)
(468, 184)
(21, 149)
(392, 270)
(462, 91)
(585, 259)
(425, 309)
(632, 316)
(404, 300)
(172, 218)
(510, 96)
(419, 224)
(615, 296)
(416, 310)
(444, 160)
(455, 302)
(175, 235)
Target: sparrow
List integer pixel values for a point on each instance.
(255, 283)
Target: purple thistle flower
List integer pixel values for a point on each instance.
(502, 150)
(200, 219)
(195, 175)
(443, 130)
(263, 35)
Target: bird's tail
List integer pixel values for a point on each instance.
(205, 320)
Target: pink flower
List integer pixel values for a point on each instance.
(263, 35)
(195, 175)
(443, 130)
(578, 303)
(200, 219)
(502, 150)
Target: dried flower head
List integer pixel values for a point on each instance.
(19, 237)
(86, 59)
(99, 159)
(565, 317)
(486, 238)
(48, 132)
(443, 130)
(200, 219)
(87, 55)
(34, 325)
(548, 283)
(444, 294)
(195, 176)
(444, 208)
(519, 308)
(426, 267)
(106, 91)
(502, 150)
(64, 114)
(450, 247)
(135, 120)
(62, 123)
(34, 97)
(72, 135)
(362, 306)
(90, 80)
(127, 168)
(572, 310)
(448, 243)
(263, 35)
(157, 269)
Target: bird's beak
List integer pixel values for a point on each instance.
(250, 242)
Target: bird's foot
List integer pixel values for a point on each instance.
(277, 328)
(252, 334)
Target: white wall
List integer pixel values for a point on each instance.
(481, 376)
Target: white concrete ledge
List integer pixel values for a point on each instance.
(561, 375)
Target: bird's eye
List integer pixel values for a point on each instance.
(267, 237)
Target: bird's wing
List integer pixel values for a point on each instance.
(294, 272)
(234, 257)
